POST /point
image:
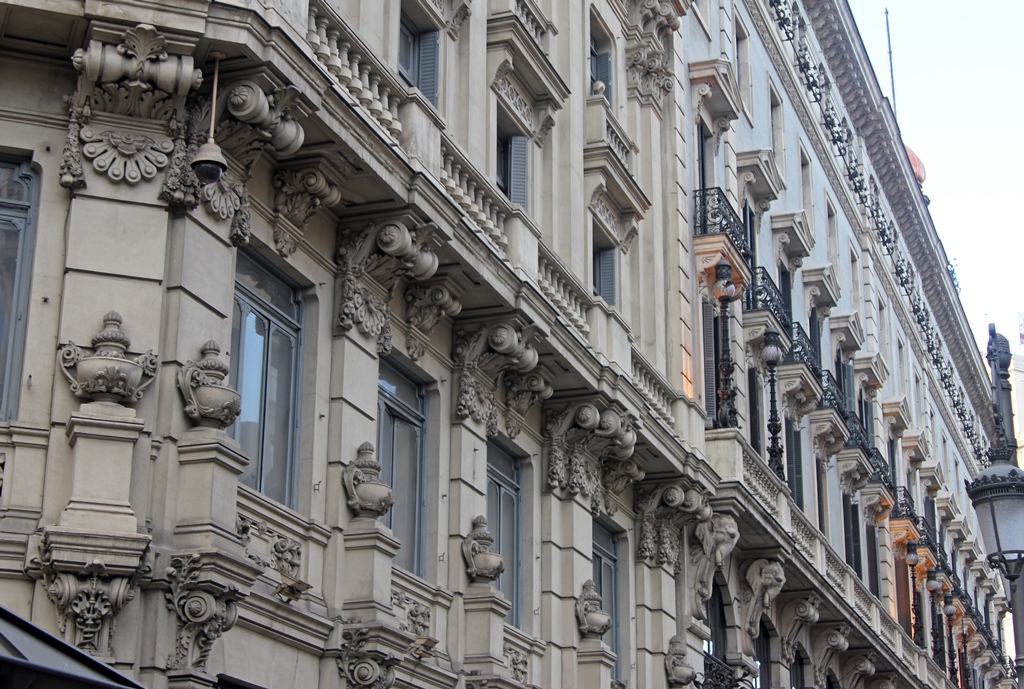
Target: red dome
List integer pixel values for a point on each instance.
(917, 166)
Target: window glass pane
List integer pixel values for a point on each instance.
(252, 351)
(386, 452)
(266, 286)
(400, 387)
(405, 522)
(278, 417)
(10, 235)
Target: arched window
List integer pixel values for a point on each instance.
(763, 657)
(716, 646)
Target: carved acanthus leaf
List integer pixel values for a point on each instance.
(204, 611)
(427, 305)
(663, 512)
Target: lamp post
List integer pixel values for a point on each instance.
(771, 355)
(933, 585)
(725, 292)
(998, 493)
(949, 610)
(912, 558)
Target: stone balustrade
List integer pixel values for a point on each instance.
(558, 285)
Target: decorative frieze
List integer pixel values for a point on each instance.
(416, 614)
(765, 579)
(482, 358)
(426, 306)
(279, 552)
(368, 496)
(664, 512)
(590, 453)
(205, 610)
(106, 373)
(362, 667)
(593, 622)
(713, 541)
(384, 253)
(209, 400)
(483, 563)
(518, 663)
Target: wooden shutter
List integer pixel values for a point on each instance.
(754, 395)
(871, 538)
(602, 71)
(710, 390)
(429, 65)
(518, 169)
(794, 463)
(604, 274)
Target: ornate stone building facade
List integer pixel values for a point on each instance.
(457, 376)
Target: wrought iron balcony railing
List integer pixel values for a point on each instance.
(859, 437)
(714, 215)
(927, 534)
(831, 395)
(763, 295)
(801, 351)
(904, 507)
(718, 675)
(880, 470)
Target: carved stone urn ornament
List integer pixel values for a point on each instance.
(107, 374)
(209, 401)
(368, 496)
(592, 620)
(678, 672)
(483, 563)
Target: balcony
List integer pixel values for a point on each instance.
(877, 498)
(716, 91)
(764, 306)
(822, 288)
(719, 234)
(718, 674)
(854, 459)
(759, 174)
(793, 237)
(872, 369)
(829, 429)
(800, 375)
(608, 157)
(847, 331)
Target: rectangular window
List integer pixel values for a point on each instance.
(743, 63)
(902, 587)
(814, 332)
(821, 491)
(505, 521)
(600, 65)
(704, 160)
(806, 190)
(763, 657)
(778, 128)
(400, 441)
(513, 159)
(418, 53)
(794, 463)
(893, 461)
(871, 545)
(606, 577)
(786, 289)
(750, 230)
(796, 673)
(855, 279)
(17, 191)
(851, 529)
(754, 395)
(832, 228)
(265, 338)
(604, 269)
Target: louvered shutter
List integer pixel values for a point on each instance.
(786, 287)
(871, 539)
(429, 65)
(754, 394)
(602, 71)
(604, 274)
(710, 399)
(794, 464)
(518, 170)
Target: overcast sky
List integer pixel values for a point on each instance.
(959, 69)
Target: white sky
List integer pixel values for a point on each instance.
(958, 72)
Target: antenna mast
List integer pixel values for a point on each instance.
(892, 78)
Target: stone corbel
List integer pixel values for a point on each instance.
(300, 192)
(701, 92)
(798, 396)
(590, 453)
(883, 683)
(713, 541)
(854, 471)
(90, 577)
(258, 119)
(483, 563)
(664, 512)
(916, 447)
(593, 622)
(522, 391)
(896, 413)
(461, 11)
(368, 496)
(721, 128)
(361, 666)
(648, 73)
(204, 603)
(828, 434)
(858, 669)
(139, 74)
(658, 17)
(765, 579)
(427, 304)
(876, 508)
(482, 358)
(797, 615)
(384, 252)
(827, 645)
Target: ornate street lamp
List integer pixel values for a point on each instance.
(949, 610)
(725, 292)
(998, 492)
(208, 162)
(771, 355)
(934, 586)
(912, 558)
